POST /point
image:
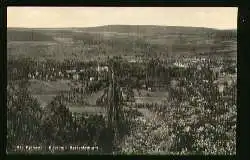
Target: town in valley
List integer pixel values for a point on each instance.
(122, 89)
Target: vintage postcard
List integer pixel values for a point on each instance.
(122, 80)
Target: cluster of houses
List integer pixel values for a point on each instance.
(222, 78)
(100, 72)
(73, 74)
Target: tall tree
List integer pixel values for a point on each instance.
(113, 104)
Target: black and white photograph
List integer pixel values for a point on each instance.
(122, 80)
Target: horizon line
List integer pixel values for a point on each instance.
(119, 25)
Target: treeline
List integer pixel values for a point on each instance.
(226, 35)
(13, 35)
(129, 73)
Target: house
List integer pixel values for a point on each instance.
(199, 67)
(82, 70)
(91, 78)
(37, 73)
(205, 81)
(178, 64)
(216, 69)
(102, 68)
(174, 83)
(194, 61)
(221, 83)
(229, 82)
(59, 73)
(230, 79)
(124, 95)
(221, 88)
(105, 68)
(71, 71)
(132, 61)
(76, 76)
(234, 77)
(144, 86)
(29, 75)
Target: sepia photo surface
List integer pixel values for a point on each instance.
(122, 80)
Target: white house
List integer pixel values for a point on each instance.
(178, 64)
(144, 86)
(37, 73)
(132, 61)
(102, 68)
(76, 76)
(221, 88)
(92, 78)
(60, 73)
(71, 71)
(205, 81)
(230, 82)
(29, 75)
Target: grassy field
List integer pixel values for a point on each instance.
(45, 91)
(144, 96)
(47, 88)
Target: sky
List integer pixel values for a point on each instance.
(60, 17)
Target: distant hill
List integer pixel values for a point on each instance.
(140, 30)
(126, 40)
(155, 34)
(148, 29)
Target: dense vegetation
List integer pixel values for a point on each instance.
(15, 35)
(55, 125)
(196, 119)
